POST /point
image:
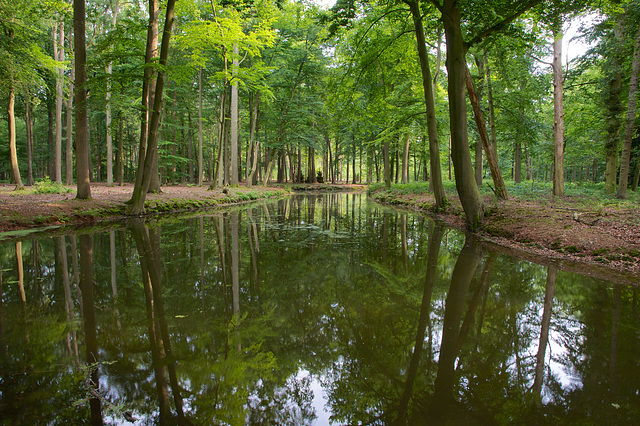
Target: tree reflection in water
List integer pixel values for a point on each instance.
(242, 316)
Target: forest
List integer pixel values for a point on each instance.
(247, 92)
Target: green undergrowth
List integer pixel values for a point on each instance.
(46, 186)
(588, 196)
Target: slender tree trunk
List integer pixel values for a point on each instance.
(200, 151)
(558, 111)
(148, 88)
(631, 118)
(492, 160)
(120, 153)
(13, 153)
(68, 158)
(29, 125)
(137, 207)
(82, 124)
(492, 115)
(221, 138)
(58, 54)
(234, 118)
(253, 127)
(387, 169)
(108, 107)
(614, 106)
(456, 67)
(405, 161)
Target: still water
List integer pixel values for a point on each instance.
(315, 309)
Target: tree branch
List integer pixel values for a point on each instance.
(502, 24)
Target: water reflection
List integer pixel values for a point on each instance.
(308, 310)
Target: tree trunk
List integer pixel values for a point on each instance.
(387, 169)
(631, 118)
(492, 115)
(221, 139)
(108, 107)
(200, 152)
(558, 111)
(137, 207)
(120, 153)
(82, 124)
(517, 162)
(13, 154)
(58, 54)
(456, 67)
(492, 160)
(614, 106)
(29, 125)
(68, 157)
(148, 88)
(254, 145)
(405, 161)
(234, 118)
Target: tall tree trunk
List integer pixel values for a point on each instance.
(148, 88)
(631, 119)
(387, 169)
(137, 207)
(200, 151)
(29, 125)
(82, 124)
(120, 152)
(405, 161)
(108, 106)
(221, 138)
(492, 115)
(614, 106)
(13, 153)
(68, 158)
(234, 118)
(58, 54)
(456, 67)
(253, 143)
(558, 111)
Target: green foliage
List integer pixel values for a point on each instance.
(46, 186)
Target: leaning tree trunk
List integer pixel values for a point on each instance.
(456, 66)
(137, 207)
(13, 154)
(631, 116)
(147, 91)
(558, 112)
(490, 153)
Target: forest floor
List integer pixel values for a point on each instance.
(579, 228)
(34, 207)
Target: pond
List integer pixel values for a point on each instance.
(314, 309)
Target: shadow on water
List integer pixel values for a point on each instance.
(315, 309)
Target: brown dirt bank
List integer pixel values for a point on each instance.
(27, 210)
(562, 230)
